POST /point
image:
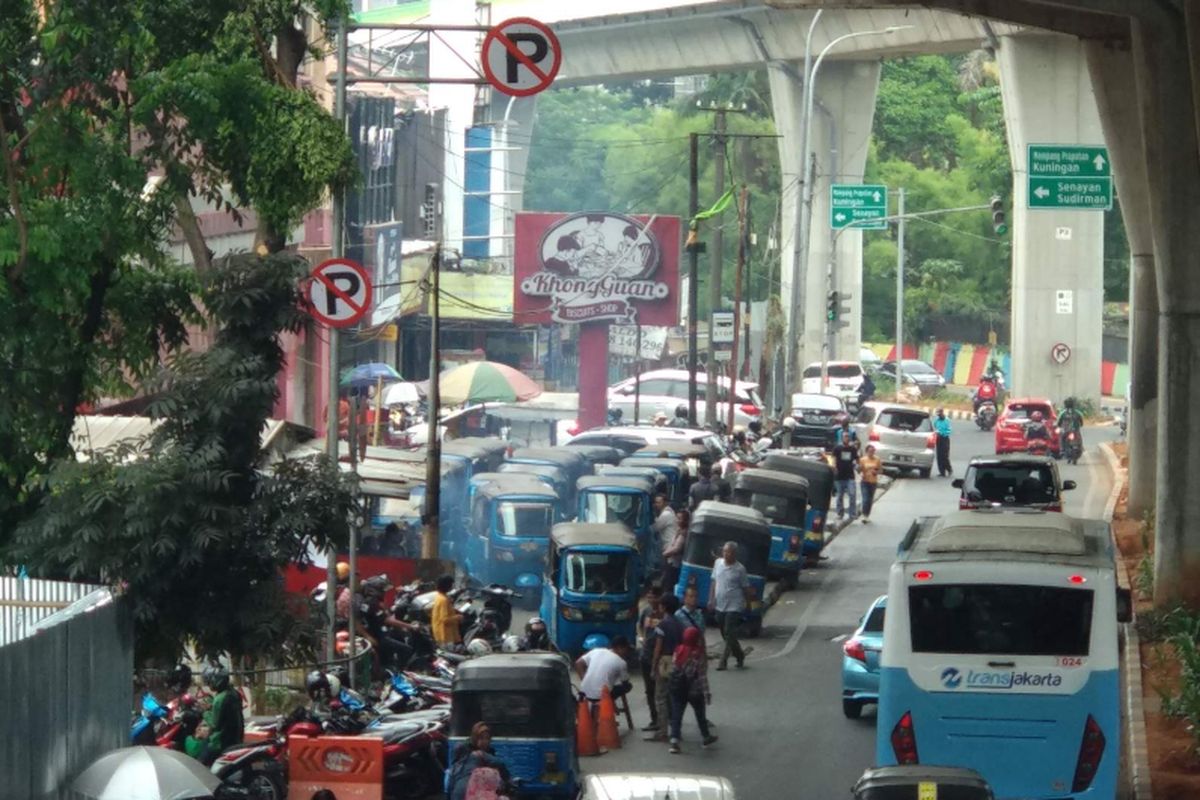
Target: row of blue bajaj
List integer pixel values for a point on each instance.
(572, 526)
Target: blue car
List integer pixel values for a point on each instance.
(860, 661)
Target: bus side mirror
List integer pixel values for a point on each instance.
(957, 483)
(1124, 605)
(1068, 485)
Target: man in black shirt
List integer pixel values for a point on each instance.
(703, 489)
(845, 459)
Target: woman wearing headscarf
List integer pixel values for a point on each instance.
(689, 686)
(475, 754)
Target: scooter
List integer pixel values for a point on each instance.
(1072, 446)
(1037, 442)
(985, 415)
(495, 619)
(404, 692)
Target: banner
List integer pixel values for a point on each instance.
(623, 341)
(596, 266)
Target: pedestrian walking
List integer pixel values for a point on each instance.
(845, 460)
(670, 538)
(648, 620)
(689, 686)
(941, 426)
(728, 593)
(869, 467)
(667, 635)
(690, 615)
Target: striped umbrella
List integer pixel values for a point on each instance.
(485, 382)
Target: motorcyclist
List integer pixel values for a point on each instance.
(536, 636)
(1037, 428)
(375, 624)
(996, 375)
(1071, 421)
(986, 391)
(614, 416)
(680, 420)
(866, 389)
(224, 721)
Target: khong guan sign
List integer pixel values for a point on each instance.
(596, 266)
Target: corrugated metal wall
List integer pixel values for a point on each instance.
(65, 695)
(26, 601)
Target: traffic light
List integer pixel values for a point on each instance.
(999, 221)
(843, 311)
(832, 306)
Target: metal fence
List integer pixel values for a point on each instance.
(64, 686)
(26, 601)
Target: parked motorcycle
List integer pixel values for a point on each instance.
(495, 618)
(985, 415)
(165, 725)
(404, 692)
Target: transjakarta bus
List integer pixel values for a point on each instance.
(1000, 653)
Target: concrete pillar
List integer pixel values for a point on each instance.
(1048, 99)
(1112, 74)
(841, 133)
(787, 106)
(1168, 100)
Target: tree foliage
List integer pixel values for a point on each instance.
(96, 97)
(186, 522)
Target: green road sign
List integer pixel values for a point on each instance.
(1069, 176)
(862, 204)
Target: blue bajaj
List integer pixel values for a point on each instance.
(783, 499)
(820, 478)
(508, 532)
(590, 593)
(527, 702)
(656, 478)
(552, 476)
(627, 501)
(714, 524)
(673, 469)
(572, 463)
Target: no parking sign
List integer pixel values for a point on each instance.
(520, 56)
(339, 292)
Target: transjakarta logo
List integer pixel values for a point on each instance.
(952, 678)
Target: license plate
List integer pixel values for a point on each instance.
(599, 606)
(755, 605)
(789, 556)
(905, 459)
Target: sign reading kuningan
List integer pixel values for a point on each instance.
(596, 266)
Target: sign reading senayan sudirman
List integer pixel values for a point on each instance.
(596, 266)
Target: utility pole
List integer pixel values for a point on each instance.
(693, 266)
(433, 462)
(742, 209)
(337, 250)
(715, 258)
(899, 291)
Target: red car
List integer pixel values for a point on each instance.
(1010, 427)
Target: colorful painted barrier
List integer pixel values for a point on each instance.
(961, 363)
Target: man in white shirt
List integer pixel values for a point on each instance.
(605, 666)
(666, 529)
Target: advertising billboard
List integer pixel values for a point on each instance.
(596, 267)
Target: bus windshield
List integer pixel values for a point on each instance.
(994, 619)
(597, 573)
(524, 519)
(614, 507)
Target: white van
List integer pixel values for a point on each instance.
(843, 379)
(655, 786)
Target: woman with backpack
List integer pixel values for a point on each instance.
(688, 685)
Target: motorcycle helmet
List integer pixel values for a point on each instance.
(376, 586)
(1036, 416)
(755, 427)
(179, 678)
(681, 412)
(216, 677)
(1069, 402)
(511, 644)
(789, 422)
(478, 647)
(342, 673)
(343, 571)
(317, 686)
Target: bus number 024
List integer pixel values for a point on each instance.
(1070, 661)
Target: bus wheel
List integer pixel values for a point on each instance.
(852, 709)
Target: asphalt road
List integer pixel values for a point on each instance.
(781, 728)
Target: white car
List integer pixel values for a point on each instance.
(844, 378)
(663, 389)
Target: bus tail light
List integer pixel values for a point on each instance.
(1091, 749)
(853, 648)
(904, 740)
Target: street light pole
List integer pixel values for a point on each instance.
(807, 179)
(899, 291)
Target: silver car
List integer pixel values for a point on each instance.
(903, 436)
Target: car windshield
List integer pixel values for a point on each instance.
(908, 421)
(524, 519)
(622, 507)
(992, 619)
(597, 573)
(1012, 484)
(921, 367)
(816, 402)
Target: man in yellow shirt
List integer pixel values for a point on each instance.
(443, 618)
(869, 467)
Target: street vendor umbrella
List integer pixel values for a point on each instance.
(485, 382)
(145, 773)
(365, 376)
(401, 393)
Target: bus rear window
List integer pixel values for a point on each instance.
(990, 619)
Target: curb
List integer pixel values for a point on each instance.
(1135, 711)
(951, 413)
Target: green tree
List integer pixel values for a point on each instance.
(94, 98)
(187, 523)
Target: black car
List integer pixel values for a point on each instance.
(1012, 480)
(817, 416)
